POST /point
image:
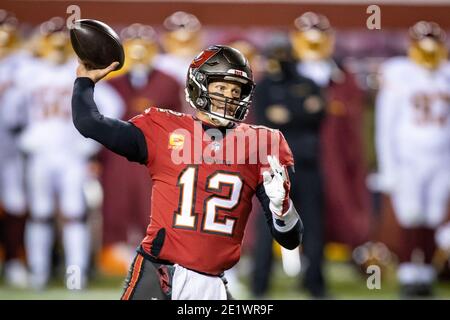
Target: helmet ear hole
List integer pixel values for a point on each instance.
(200, 77)
(201, 102)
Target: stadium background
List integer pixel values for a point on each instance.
(359, 48)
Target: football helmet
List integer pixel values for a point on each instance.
(427, 46)
(53, 41)
(313, 38)
(182, 36)
(140, 45)
(9, 36)
(220, 63)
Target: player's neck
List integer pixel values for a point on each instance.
(209, 122)
(206, 119)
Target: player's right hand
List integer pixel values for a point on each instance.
(94, 74)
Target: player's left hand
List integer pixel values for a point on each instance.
(277, 186)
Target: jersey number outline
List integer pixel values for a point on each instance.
(185, 216)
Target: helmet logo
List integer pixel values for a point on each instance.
(200, 77)
(201, 102)
(202, 58)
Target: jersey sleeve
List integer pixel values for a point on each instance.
(278, 147)
(146, 123)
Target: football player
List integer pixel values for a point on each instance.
(346, 205)
(12, 190)
(57, 155)
(413, 146)
(199, 207)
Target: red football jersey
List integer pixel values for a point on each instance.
(203, 185)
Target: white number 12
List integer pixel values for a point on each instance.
(185, 216)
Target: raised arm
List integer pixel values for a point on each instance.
(286, 229)
(119, 136)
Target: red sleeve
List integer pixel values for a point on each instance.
(145, 122)
(278, 147)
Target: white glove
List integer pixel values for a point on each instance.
(277, 187)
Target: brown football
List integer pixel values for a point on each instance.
(96, 44)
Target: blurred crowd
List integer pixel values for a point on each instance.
(368, 124)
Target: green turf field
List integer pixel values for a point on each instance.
(345, 282)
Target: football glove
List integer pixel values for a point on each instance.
(277, 187)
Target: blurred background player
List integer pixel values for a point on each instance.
(126, 187)
(346, 198)
(293, 104)
(181, 40)
(12, 192)
(413, 147)
(347, 205)
(57, 155)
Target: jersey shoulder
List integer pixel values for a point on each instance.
(159, 119)
(272, 140)
(259, 132)
(259, 128)
(157, 114)
(397, 67)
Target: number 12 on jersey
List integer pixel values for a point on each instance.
(185, 216)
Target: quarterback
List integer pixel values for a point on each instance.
(199, 209)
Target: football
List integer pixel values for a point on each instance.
(96, 44)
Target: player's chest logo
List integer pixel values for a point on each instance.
(176, 141)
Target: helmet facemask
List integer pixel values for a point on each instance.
(230, 108)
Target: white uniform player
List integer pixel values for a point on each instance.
(57, 164)
(413, 140)
(413, 148)
(181, 41)
(12, 189)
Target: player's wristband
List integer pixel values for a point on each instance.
(287, 221)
